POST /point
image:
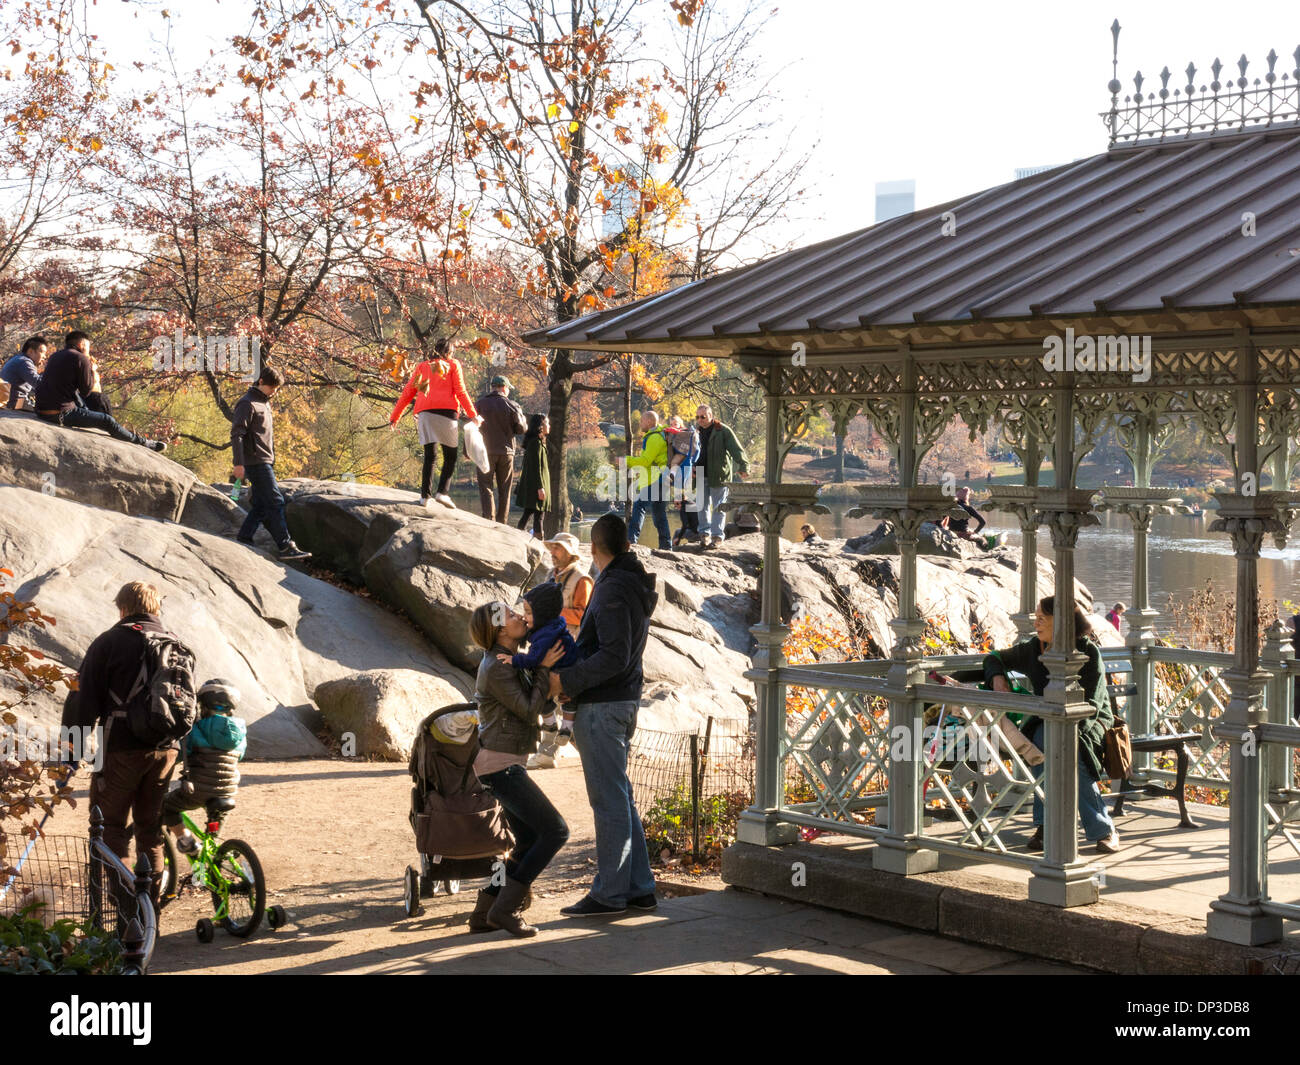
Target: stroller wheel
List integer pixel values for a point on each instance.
(451, 887)
(411, 892)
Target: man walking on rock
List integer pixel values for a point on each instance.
(503, 420)
(605, 686)
(252, 445)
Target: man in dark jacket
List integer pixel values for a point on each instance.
(22, 373)
(62, 396)
(252, 446)
(503, 420)
(605, 685)
(132, 781)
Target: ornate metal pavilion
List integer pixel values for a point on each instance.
(1182, 240)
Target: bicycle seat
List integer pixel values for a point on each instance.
(221, 805)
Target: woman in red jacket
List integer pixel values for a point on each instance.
(437, 389)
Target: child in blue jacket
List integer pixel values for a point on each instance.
(543, 611)
(212, 752)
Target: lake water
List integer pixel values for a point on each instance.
(1184, 554)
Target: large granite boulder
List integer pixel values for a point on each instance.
(435, 565)
(91, 467)
(276, 633)
(380, 709)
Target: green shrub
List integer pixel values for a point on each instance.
(66, 947)
(588, 473)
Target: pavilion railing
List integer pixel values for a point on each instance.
(838, 747)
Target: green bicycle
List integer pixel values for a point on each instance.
(229, 871)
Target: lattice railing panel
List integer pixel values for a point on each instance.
(838, 742)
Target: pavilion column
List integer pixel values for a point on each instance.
(898, 851)
(773, 503)
(1238, 916)
(1275, 660)
(1061, 878)
(1032, 457)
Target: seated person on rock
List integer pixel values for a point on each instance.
(961, 526)
(212, 753)
(22, 373)
(68, 394)
(544, 615)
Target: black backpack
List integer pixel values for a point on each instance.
(161, 706)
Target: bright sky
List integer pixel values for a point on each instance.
(954, 95)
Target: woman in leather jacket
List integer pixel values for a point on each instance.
(510, 706)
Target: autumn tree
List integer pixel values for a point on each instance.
(568, 108)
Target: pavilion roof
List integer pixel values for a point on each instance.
(1140, 230)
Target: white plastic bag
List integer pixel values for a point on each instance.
(475, 448)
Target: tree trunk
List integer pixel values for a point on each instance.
(560, 386)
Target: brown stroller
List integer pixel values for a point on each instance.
(459, 828)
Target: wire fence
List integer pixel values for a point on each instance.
(691, 786)
(79, 879)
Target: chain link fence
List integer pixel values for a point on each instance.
(691, 786)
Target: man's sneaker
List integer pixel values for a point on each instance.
(589, 907)
(187, 844)
(1109, 845)
(291, 552)
(644, 903)
(424, 503)
(445, 500)
(1035, 843)
(706, 540)
(156, 445)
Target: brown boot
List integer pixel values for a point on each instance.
(478, 919)
(508, 910)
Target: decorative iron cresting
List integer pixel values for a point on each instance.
(1231, 105)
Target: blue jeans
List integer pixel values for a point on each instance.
(602, 733)
(537, 826)
(265, 505)
(1093, 815)
(86, 418)
(654, 499)
(713, 519)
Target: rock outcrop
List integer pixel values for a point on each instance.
(380, 709)
(276, 633)
(91, 467)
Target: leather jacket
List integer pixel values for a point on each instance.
(509, 711)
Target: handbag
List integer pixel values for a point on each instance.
(1118, 749)
(463, 823)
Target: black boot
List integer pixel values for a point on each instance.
(508, 910)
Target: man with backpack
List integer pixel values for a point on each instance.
(650, 487)
(137, 681)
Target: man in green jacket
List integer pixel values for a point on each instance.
(721, 458)
(650, 487)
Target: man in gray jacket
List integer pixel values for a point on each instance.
(252, 445)
(503, 420)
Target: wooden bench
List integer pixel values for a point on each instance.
(1171, 742)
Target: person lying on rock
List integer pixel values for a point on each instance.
(547, 628)
(62, 395)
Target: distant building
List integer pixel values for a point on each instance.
(1029, 171)
(894, 198)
